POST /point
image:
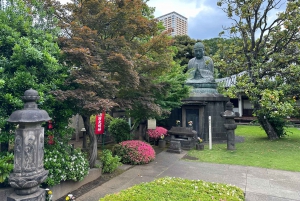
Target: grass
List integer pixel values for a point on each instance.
(256, 150)
(170, 188)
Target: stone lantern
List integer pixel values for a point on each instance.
(230, 125)
(29, 170)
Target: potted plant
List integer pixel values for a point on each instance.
(199, 144)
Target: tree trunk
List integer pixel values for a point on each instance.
(272, 135)
(93, 141)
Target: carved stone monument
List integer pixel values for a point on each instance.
(29, 170)
(230, 125)
(204, 99)
(186, 137)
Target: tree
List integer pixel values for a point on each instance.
(268, 48)
(29, 58)
(225, 54)
(185, 48)
(117, 54)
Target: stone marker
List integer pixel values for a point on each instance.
(230, 125)
(29, 170)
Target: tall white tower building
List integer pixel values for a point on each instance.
(176, 22)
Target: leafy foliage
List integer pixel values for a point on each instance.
(171, 188)
(184, 45)
(29, 58)
(119, 129)
(134, 152)
(269, 52)
(6, 166)
(122, 56)
(64, 164)
(109, 162)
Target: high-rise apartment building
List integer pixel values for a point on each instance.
(176, 22)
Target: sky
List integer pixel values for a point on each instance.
(205, 19)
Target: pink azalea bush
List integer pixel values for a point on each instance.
(157, 133)
(134, 152)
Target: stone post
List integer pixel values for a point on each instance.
(230, 125)
(29, 170)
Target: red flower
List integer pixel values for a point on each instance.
(157, 133)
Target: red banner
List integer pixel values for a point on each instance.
(99, 123)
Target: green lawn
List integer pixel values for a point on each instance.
(256, 150)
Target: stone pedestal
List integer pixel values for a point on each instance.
(230, 137)
(198, 109)
(199, 146)
(175, 147)
(39, 195)
(162, 144)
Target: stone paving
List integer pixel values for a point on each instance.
(259, 184)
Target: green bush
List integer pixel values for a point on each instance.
(6, 166)
(119, 129)
(64, 164)
(108, 119)
(109, 162)
(170, 188)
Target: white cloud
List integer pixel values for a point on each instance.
(186, 8)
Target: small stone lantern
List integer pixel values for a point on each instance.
(230, 125)
(29, 170)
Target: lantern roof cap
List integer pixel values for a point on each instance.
(30, 113)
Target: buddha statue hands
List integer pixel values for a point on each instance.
(201, 69)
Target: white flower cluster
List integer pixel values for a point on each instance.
(64, 164)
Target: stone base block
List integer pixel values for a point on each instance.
(162, 144)
(199, 146)
(37, 196)
(175, 147)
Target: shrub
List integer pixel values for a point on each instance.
(109, 162)
(64, 164)
(157, 133)
(119, 129)
(170, 188)
(6, 167)
(134, 152)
